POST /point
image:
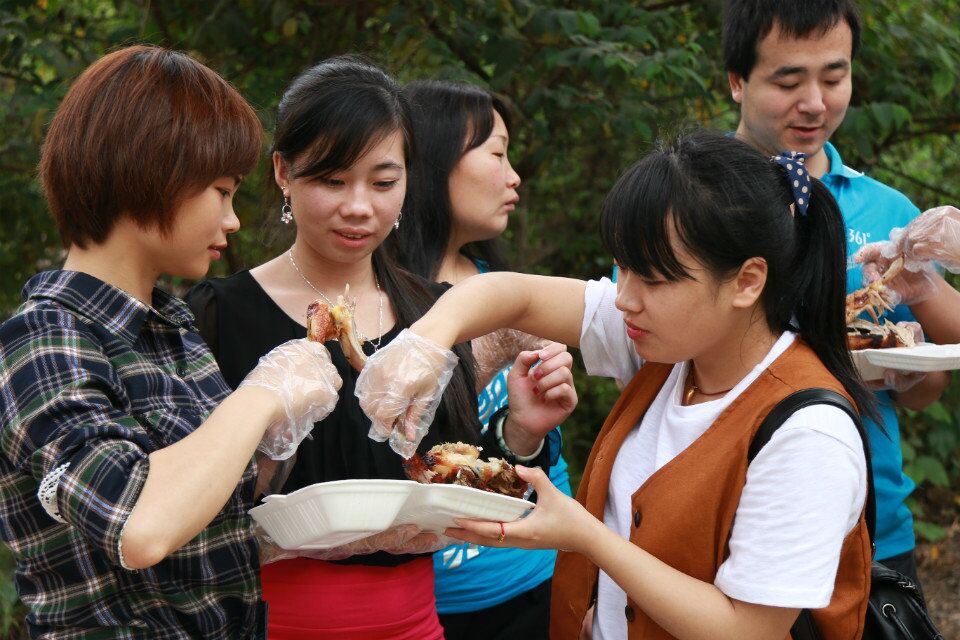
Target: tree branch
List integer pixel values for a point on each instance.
(656, 6)
(456, 49)
(210, 17)
(17, 167)
(161, 20)
(19, 78)
(953, 197)
(896, 138)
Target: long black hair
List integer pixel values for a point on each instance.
(449, 119)
(725, 203)
(329, 116)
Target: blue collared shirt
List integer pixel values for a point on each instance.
(871, 210)
(92, 381)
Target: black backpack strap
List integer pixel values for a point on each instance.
(806, 398)
(805, 628)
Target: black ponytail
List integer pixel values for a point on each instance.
(726, 203)
(818, 293)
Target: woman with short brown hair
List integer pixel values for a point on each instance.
(125, 461)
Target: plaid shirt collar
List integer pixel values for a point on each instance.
(106, 305)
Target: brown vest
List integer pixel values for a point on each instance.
(683, 513)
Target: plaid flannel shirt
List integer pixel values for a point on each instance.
(91, 382)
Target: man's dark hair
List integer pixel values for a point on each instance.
(747, 22)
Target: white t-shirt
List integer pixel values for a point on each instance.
(803, 494)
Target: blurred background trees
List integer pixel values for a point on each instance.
(593, 83)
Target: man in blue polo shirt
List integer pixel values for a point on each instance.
(789, 65)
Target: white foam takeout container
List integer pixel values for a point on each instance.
(923, 357)
(330, 514)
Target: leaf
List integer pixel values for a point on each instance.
(929, 531)
(569, 22)
(942, 440)
(939, 413)
(901, 115)
(883, 112)
(928, 468)
(588, 24)
(942, 83)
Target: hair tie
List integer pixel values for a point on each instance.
(799, 176)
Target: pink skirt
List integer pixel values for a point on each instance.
(318, 600)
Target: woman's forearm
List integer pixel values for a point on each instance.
(939, 315)
(189, 482)
(687, 608)
(925, 392)
(548, 307)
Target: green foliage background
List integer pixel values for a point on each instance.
(594, 83)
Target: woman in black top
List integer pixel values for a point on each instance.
(340, 155)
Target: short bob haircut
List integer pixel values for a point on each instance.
(140, 131)
(747, 22)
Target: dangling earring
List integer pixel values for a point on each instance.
(396, 223)
(286, 213)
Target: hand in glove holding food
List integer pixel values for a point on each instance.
(542, 395)
(400, 388)
(906, 263)
(892, 275)
(933, 236)
(304, 384)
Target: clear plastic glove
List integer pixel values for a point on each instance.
(400, 388)
(272, 474)
(898, 381)
(496, 350)
(917, 281)
(934, 235)
(915, 328)
(300, 374)
(402, 539)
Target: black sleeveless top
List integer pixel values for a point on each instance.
(241, 323)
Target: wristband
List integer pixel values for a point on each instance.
(498, 420)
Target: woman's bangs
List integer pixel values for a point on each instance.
(479, 122)
(636, 222)
(336, 151)
(344, 134)
(240, 149)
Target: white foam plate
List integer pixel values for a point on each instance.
(329, 514)
(923, 357)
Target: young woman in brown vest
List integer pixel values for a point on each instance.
(730, 297)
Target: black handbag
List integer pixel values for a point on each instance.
(895, 610)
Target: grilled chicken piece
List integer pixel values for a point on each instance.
(863, 334)
(874, 298)
(459, 463)
(326, 323)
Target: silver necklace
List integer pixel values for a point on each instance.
(376, 345)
